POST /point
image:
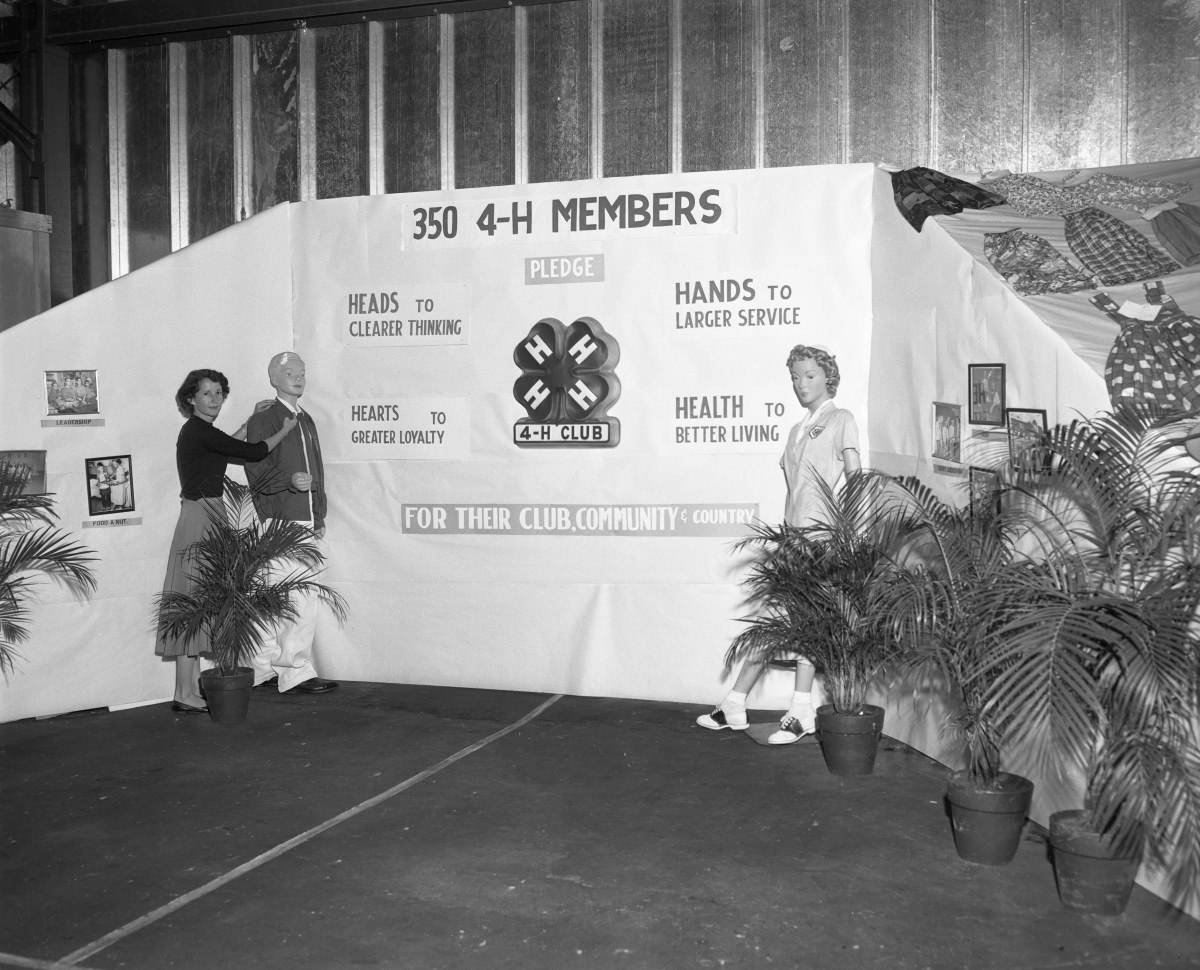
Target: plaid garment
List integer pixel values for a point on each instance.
(922, 192)
(1032, 265)
(1154, 362)
(1178, 232)
(1114, 251)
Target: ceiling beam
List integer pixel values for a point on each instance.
(133, 22)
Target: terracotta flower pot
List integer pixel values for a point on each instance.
(1091, 874)
(227, 695)
(849, 740)
(988, 821)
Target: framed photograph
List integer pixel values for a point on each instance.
(984, 487)
(947, 431)
(22, 473)
(1027, 430)
(109, 484)
(985, 384)
(72, 392)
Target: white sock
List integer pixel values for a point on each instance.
(802, 708)
(735, 701)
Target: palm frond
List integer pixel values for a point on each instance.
(32, 550)
(1097, 665)
(22, 511)
(818, 589)
(940, 608)
(50, 552)
(246, 577)
(1063, 611)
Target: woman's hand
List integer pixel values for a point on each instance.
(261, 406)
(288, 424)
(302, 481)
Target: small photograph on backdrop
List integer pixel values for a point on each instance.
(984, 485)
(72, 392)
(947, 431)
(1027, 430)
(109, 484)
(986, 390)
(22, 473)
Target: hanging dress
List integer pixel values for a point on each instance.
(1113, 250)
(1123, 192)
(1178, 231)
(1153, 362)
(1110, 249)
(1032, 196)
(922, 192)
(1032, 265)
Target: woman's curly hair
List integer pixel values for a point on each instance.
(825, 360)
(191, 387)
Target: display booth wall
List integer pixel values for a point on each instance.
(943, 311)
(469, 556)
(223, 302)
(478, 543)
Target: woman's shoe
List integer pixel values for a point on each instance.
(179, 707)
(790, 731)
(718, 720)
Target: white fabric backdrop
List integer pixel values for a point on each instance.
(221, 303)
(624, 615)
(647, 613)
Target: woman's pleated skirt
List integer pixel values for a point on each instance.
(193, 523)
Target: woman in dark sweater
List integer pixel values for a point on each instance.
(202, 453)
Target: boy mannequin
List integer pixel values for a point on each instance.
(289, 484)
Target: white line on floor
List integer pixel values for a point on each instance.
(141, 922)
(28, 963)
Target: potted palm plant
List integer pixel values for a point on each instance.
(31, 548)
(1096, 664)
(818, 590)
(245, 575)
(941, 607)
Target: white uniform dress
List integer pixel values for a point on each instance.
(816, 450)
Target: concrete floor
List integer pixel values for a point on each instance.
(416, 827)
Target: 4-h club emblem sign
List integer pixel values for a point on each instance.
(567, 384)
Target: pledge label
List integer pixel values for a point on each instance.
(564, 269)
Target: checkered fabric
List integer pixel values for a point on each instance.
(1113, 250)
(1154, 362)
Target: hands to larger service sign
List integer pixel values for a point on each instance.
(568, 383)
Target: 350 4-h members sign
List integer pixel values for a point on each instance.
(567, 385)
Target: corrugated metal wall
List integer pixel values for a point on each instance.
(960, 85)
(501, 94)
